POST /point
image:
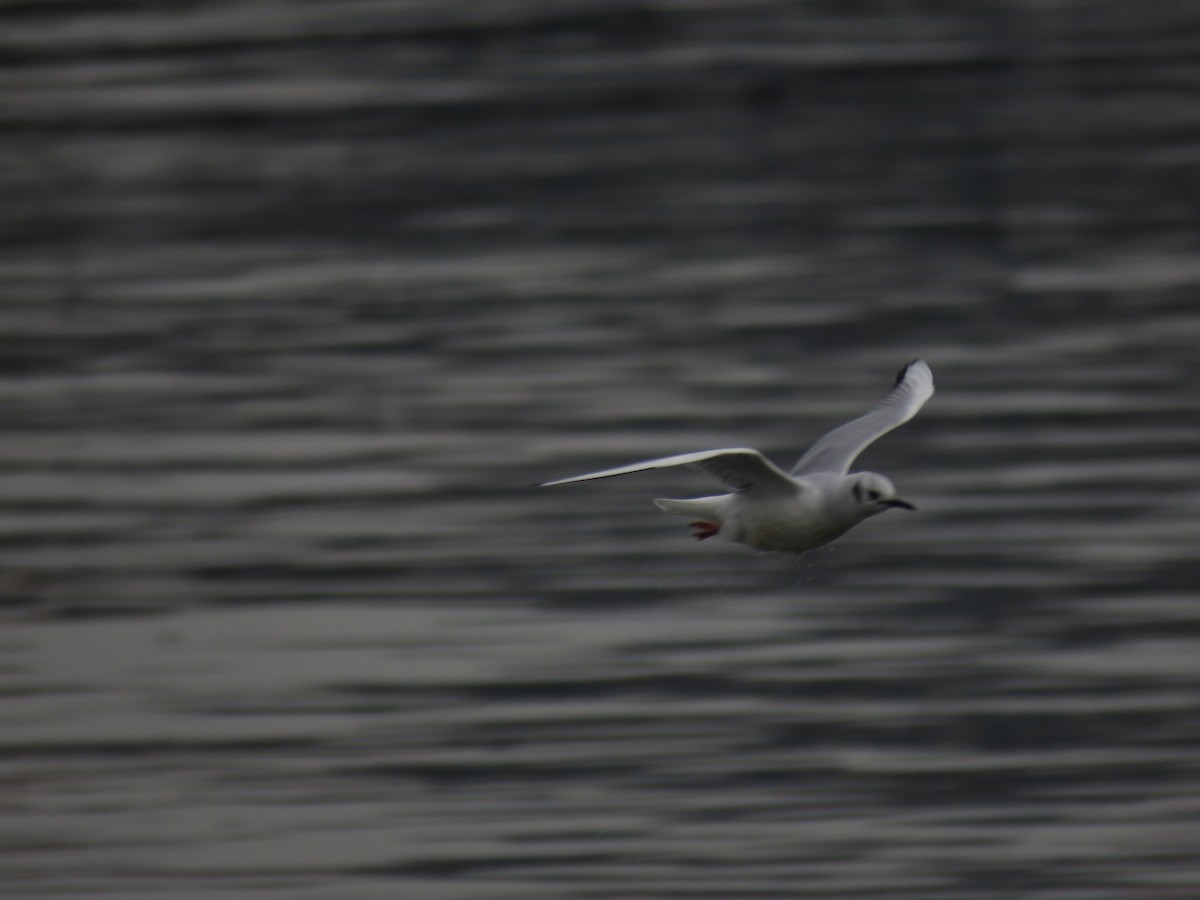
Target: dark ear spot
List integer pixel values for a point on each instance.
(858, 495)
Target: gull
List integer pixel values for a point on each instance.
(818, 501)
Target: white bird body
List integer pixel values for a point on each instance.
(814, 514)
(817, 502)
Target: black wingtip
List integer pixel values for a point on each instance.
(904, 371)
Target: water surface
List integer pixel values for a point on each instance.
(300, 298)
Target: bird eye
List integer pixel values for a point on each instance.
(873, 495)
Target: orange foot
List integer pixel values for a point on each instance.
(703, 530)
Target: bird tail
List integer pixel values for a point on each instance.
(701, 508)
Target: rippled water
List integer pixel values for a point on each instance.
(301, 298)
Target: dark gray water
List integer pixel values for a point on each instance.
(299, 298)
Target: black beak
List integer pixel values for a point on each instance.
(903, 503)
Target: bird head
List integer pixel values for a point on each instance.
(875, 494)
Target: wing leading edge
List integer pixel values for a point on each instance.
(740, 468)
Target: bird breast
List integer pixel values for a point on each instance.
(788, 525)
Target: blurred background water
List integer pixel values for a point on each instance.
(298, 299)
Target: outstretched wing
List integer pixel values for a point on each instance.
(837, 451)
(740, 468)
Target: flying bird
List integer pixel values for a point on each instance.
(817, 501)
